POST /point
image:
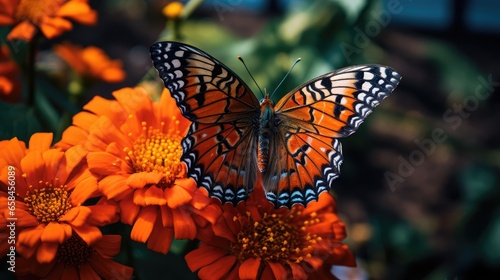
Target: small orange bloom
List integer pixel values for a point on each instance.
(91, 63)
(10, 84)
(134, 148)
(77, 260)
(48, 16)
(173, 10)
(44, 189)
(256, 241)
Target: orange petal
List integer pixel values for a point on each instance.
(200, 199)
(113, 75)
(73, 158)
(52, 27)
(177, 196)
(103, 214)
(115, 187)
(108, 246)
(167, 108)
(297, 271)
(23, 31)
(325, 200)
(85, 187)
(56, 233)
(222, 229)
(160, 238)
(109, 269)
(139, 180)
(268, 273)
(52, 159)
(342, 255)
(106, 130)
(72, 136)
(84, 120)
(29, 239)
(86, 271)
(218, 269)
(12, 151)
(46, 252)
(105, 107)
(129, 210)
(203, 256)
(40, 141)
(53, 270)
(78, 11)
(136, 100)
(69, 272)
(144, 224)
(167, 218)
(24, 218)
(103, 163)
(316, 263)
(210, 213)
(139, 197)
(249, 269)
(154, 196)
(279, 270)
(89, 234)
(184, 226)
(77, 216)
(32, 164)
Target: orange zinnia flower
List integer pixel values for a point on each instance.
(10, 83)
(48, 16)
(75, 259)
(42, 190)
(91, 63)
(134, 147)
(256, 241)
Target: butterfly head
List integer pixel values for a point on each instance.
(266, 101)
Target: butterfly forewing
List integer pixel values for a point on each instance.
(205, 90)
(336, 104)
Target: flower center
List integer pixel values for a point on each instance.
(35, 10)
(271, 239)
(48, 202)
(155, 151)
(74, 251)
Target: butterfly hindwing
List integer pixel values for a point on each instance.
(219, 149)
(312, 117)
(221, 158)
(308, 165)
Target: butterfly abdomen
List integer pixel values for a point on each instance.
(267, 127)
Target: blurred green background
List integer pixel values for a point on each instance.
(419, 186)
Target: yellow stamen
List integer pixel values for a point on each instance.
(48, 202)
(155, 151)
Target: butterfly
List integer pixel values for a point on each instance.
(291, 147)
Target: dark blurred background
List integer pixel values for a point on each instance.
(419, 186)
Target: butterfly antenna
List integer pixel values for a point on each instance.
(242, 61)
(282, 80)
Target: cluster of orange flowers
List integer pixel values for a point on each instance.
(30, 19)
(120, 161)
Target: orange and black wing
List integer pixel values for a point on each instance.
(219, 149)
(311, 118)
